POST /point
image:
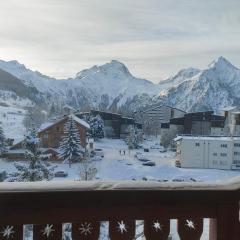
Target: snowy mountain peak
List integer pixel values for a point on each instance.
(221, 63)
(180, 77)
(115, 68)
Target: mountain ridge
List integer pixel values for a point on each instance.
(112, 86)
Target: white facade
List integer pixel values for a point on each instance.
(209, 152)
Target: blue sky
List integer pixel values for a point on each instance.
(154, 38)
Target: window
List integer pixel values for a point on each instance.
(236, 153)
(214, 154)
(224, 145)
(58, 128)
(223, 163)
(223, 154)
(197, 144)
(45, 136)
(236, 144)
(236, 162)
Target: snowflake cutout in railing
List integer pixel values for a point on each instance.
(85, 228)
(7, 232)
(122, 227)
(48, 230)
(190, 224)
(157, 226)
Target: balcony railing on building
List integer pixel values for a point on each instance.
(49, 205)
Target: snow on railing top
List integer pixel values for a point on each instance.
(44, 186)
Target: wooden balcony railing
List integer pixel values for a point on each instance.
(47, 205)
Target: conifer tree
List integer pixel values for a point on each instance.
(132, 138)
(3, 144)
(35, 169)
(70, 148)
(96, 127)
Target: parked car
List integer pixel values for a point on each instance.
(97, 152)
(96, 158)
(178, 163)
(156, 146)
(141, 157)
(146, 149)
(60, 174)
(150, 164)
(163, 151)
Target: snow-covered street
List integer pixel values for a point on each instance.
(126, 167)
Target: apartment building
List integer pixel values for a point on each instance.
(208, 152)
(153, 116)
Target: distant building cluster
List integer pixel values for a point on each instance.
(51, 133)
(208, 141)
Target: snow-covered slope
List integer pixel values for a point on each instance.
(33, 78)
(112, 86)
(11, 120)
(104, 85)
(210, 89)
(180, 77)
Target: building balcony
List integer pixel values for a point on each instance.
(47, 205)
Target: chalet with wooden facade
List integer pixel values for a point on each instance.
(50, 136)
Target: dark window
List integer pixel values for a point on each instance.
(223, 154)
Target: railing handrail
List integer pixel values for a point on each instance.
(52, 186)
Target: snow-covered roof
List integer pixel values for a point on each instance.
(45, 125)
(238, 112)
(21, 150)
(80, 121)
(69, 107)
(219, 138)
(75, 118)
(177, 138)
(228, 108)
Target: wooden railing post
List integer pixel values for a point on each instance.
(227, 225)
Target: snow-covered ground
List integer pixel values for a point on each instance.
(116, 166)
(11, 120)
(121, 167)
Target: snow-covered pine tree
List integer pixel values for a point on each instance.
(3, 144)
(132, 138)
(70, 148)
(96, 127)
(35, 169)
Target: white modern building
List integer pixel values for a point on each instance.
(208, 152)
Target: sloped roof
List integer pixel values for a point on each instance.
(75, 118)
(80, 121)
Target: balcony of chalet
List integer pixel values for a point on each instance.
(48, 205)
